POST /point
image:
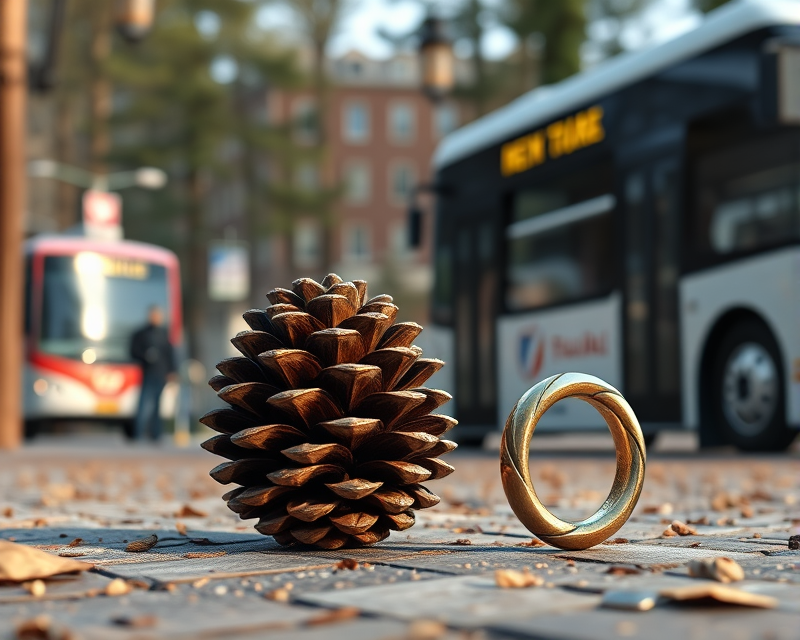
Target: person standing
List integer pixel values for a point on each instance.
(151, 348)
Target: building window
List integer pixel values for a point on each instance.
(305, 121)
(307, 244)
(307, 177)
(401, 182)
(357, 183)
(398, 240)
(356, 122)
(357, 242)
(445, 119)
(401, 122)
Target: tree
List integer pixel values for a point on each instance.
(611, 18)
(708, 5)
(560, 27)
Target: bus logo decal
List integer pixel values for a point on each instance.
(531, 353)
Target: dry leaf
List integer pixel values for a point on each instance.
(617, 541)
(347, 563)
(794, 543)
(35, 588)
(281, 594)
(8, 512)
(202, 582)
(746, 511)
(135, 622)
(118, 587)
(683, 529)
(719, 569)
(188, 511)
(512, 579)
(143, 544)
(668, 533)
(535, 542)
(462, 541)
(337, 615)
(426, 630)
(720, 593)
(75, 542)
(38, 628)
(180, 528)
(20, 563)
(623, 570)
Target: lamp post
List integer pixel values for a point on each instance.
(436, 57)
(144, 177)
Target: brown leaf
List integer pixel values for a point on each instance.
(20, 563)
(75, 542)
(8, 512)
(512, 579)
(346, 563)
(281, 594)
(683, 529)
(337, 615)
(534, 542)
(719, 569)
(143, 544)
(462, 541)
(135, 622)
(623, 570)
(180, 528)
(118, 587)
(720, 593)
(188, 511)
(38, 628)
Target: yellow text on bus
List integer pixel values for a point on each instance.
(560, 138)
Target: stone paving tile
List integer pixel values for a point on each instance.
(645, 554)
(461, 602)
(174, 615)
(662, 623)
(715, 543)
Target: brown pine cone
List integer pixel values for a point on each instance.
(329, 432)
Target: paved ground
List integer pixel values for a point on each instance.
(436, 580)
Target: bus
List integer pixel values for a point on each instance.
(84, 299)
(640, 222)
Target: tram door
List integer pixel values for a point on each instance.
(476, 290)
(651, 192)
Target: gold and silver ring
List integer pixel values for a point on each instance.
(515, 471)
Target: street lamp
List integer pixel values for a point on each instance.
(134, 18)
(144, 177)
(436, 57)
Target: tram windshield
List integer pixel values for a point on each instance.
(92, 303)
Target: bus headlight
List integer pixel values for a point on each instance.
(40, 386)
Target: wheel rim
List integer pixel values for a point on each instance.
(749, 389)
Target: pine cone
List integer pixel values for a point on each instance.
(329, 432)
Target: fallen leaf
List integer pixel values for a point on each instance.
(617, 541)
(118, 587)
(512, 579)
(75, 542)
(202, 582)
(337, 615)
(8, 512)
(188, 511)
(720, 593)
(38, 628)
(426, 630)
(36, 588)
(683, 529)
(702, 521)
(462, 541)
(794, 543)
(281, 594)
(668, 533)
(719, 569)
(346, 563)
(135, 622)
(20, 563)
(534, 542)
(746, 511)
(623, 570)
(143, 544)
(180, 528)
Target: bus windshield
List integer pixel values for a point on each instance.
(92, 303)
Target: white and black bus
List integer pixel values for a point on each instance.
(640, 222)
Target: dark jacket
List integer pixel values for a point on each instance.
(150, 347)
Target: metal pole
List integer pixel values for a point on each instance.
(13, 81)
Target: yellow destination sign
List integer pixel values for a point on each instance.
(560, 138)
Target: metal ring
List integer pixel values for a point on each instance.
(515, 447)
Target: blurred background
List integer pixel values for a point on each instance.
(194, 154)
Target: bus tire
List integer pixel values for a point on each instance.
(748, 393)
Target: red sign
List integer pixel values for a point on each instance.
(102, 208)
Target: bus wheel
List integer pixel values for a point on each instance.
(748, 390)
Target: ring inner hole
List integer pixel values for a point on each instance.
(572, 471)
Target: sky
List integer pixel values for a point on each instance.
(665, 19)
